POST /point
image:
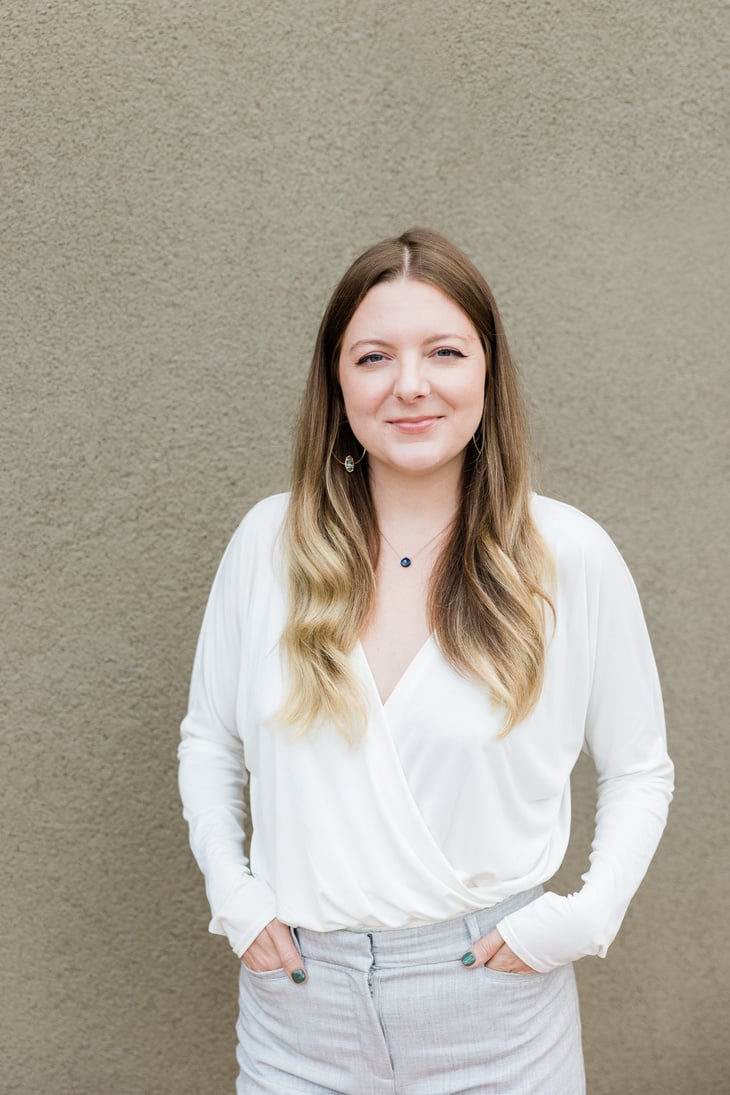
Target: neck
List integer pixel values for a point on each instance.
(413, 507)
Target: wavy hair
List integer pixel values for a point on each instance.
(494, 577)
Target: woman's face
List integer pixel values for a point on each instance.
(412, 372)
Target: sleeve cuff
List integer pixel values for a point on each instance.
(244, 914)
(553, 931)
(517, 945)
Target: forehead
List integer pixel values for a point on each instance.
(406, 308)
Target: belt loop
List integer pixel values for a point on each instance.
(474, 930)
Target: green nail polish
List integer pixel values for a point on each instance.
(468, 959)
(299, 976)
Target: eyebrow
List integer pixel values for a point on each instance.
(426, 341)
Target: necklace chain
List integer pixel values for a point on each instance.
(406, 560)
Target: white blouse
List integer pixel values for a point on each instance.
(431, 815)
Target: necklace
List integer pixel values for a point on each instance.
(406, 560)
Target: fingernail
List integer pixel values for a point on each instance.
(468, 959)
(299, 976)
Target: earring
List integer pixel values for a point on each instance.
(349, 461)
(474, 442)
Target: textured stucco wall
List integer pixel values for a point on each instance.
(183, 184)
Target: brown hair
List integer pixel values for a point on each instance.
(492, 581)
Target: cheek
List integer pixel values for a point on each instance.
(470, 397)
(361, 399)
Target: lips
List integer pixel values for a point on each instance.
(415, 425)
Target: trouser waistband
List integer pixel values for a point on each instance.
(420, 945)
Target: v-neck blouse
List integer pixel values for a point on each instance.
(431, 815)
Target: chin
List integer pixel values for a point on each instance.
(421, 464)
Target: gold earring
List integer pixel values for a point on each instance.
(474, 441)
(349, 461)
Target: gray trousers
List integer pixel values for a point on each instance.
(386, 1012)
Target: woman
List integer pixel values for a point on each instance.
(406, 656)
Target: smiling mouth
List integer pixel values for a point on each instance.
(415, 425)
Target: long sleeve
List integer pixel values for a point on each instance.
(212, 774)
(625, 736)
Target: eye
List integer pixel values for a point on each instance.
(371, 359)
(447, 352)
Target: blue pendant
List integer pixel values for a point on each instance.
(405, 561)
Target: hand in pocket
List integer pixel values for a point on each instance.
(492, 951)
(273, 949)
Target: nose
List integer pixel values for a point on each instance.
(411, 381)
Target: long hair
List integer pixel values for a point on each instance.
(493, 579)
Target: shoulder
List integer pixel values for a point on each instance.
(562, 522)
(259, 530)
(267, 515)
(573, 535)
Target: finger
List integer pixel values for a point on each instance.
(262, 954)
(289, 956)
(507, 961)
(483, 949)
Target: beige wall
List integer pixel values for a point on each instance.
(184, 184)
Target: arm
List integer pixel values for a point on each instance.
(625, 736)
(212, 774)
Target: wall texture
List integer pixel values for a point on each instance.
(183, 185)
